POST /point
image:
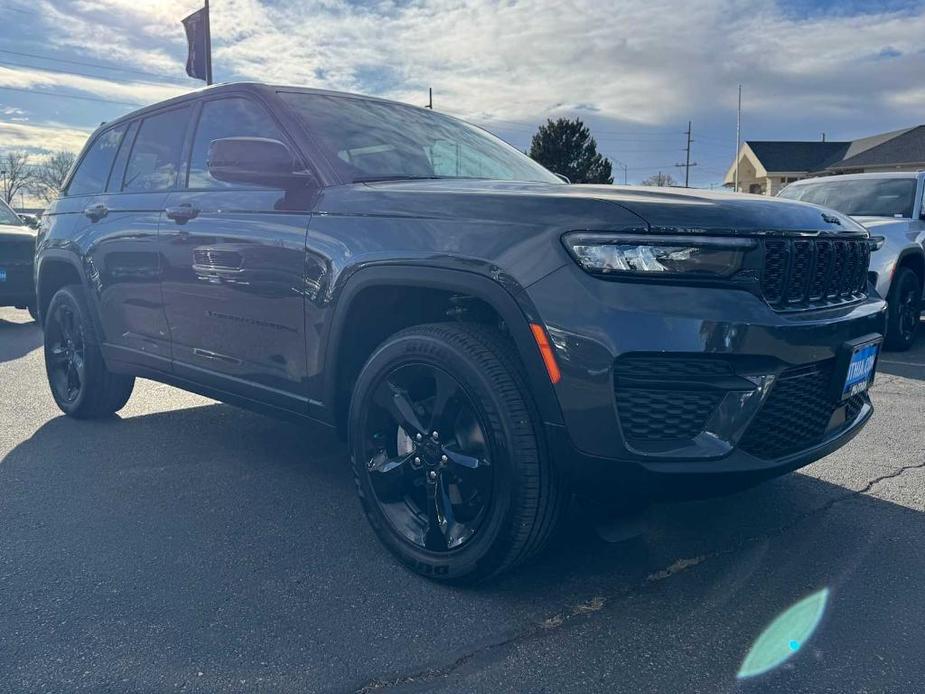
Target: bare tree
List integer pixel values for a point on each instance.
(15, 174)
(660, 179)
(49, 176)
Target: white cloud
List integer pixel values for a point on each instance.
(39, 139)
(637, 63)
(127, 92)
(647, 61)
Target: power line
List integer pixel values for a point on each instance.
(70, 96)
(19, 9)
(86, 74)
(80, 62)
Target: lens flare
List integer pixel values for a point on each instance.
(783, 637)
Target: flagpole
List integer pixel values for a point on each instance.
(208, 44)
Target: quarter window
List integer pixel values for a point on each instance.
(233, 117)
(155, 158)
(93, 171)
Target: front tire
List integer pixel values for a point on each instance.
(904, 307)
(447, 457)
(80, 383)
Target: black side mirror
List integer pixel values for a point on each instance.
(255, 160)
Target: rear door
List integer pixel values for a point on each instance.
(234, 259)
(123, 262)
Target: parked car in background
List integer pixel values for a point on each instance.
(888, 205)
(17, 253)
(487, 337)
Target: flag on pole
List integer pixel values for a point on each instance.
(198, 60)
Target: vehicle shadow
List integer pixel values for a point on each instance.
(18, 339)
(214, 536)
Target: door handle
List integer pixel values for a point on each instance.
(96, 212)
(181, 213)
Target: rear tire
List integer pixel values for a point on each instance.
(904, 310)
(503, 507)
(80, 383)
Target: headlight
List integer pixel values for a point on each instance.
(658, 256)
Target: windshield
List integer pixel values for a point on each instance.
(373, 141)
(8, 217)
(872, 197)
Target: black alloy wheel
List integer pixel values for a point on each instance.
(66, 354)
(904, 309)
(80, 382)
(427, 457)
(446, 458)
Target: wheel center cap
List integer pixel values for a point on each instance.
(429, 451)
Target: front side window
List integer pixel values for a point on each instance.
(155, 158)
(871, 197)
(234, 117)
(371, 140)
(93, 171)
(8, 217)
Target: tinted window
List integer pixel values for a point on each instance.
(118, 168)
(234, 117)
(93, 171)
(155, 157)
(371, 140)
(871, 197)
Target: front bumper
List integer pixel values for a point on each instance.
(672, 381)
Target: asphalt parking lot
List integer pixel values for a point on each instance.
(191, 546)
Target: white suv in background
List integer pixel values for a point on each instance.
(889, 205)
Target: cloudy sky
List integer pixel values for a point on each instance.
(635, 70)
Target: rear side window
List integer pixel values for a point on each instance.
(233, 117)
(155, 157)
(93, 171)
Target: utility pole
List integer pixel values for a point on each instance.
(687, 163)
(430, 98)
(208, 44)
(735, 187)
(625, 170)
(823, 137)
(5, 189)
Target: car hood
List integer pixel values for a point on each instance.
(883, 224)
(579, 206)
(9, 232)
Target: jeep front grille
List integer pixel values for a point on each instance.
(807, 273)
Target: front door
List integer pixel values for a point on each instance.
(233, 271)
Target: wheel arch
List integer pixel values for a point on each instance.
(341, 365)
(914, 259)
(55, 269)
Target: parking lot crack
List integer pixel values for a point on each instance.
(585, 610)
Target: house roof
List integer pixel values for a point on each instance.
(899, 147)
(797, 156)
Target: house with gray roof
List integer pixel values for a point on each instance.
(766, 166)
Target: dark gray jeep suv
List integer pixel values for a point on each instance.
(487, 337)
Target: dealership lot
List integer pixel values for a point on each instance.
(193, 546)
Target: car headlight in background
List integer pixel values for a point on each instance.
(658, 256)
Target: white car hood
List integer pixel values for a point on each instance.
(883, 224)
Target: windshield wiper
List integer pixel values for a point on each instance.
(396, 177)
